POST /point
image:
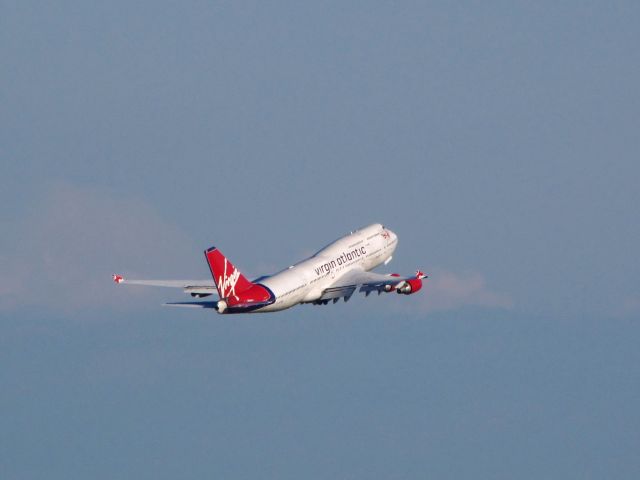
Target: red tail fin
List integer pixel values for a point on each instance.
(228, 279)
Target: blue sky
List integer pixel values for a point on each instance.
(499, 141)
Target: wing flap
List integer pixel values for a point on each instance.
(338, 292)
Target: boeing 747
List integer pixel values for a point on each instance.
(335, 272)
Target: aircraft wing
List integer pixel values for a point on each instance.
(197, 288)
(368, 282)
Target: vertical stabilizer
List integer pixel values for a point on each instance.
(228, 279)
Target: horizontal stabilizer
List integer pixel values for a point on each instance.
(213, 305)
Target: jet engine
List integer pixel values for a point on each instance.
(410, 286)
(222, 306)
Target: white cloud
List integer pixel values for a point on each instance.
(446, 290)
(61, 254)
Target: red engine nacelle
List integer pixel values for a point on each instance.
(411, 286)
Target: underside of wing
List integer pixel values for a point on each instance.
(370, 279)
(368, 282)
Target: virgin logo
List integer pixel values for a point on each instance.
(227, 284)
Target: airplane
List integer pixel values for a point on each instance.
(332, 273)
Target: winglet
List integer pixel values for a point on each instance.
(420, 275)
(117, 278)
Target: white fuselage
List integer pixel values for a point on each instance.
(305, 281)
